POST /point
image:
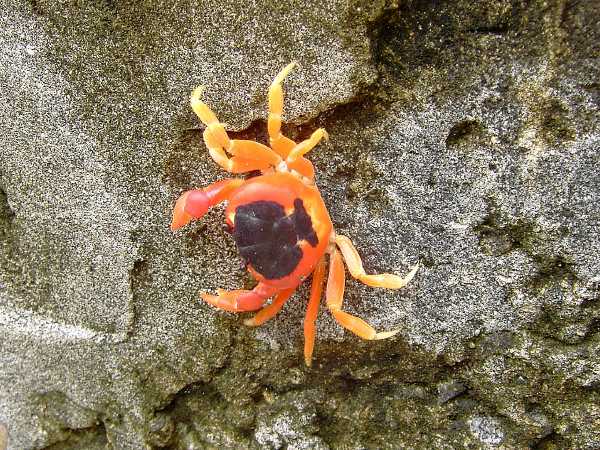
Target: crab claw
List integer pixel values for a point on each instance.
(191, 205)
(240, 300)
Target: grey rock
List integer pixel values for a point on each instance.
(462, 136)
(449, 390)
(487, 430)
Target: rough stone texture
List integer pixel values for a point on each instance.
(463, 135)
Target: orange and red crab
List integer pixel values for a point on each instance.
(280, 224)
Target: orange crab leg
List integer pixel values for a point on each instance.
(235, 164)
(354, 263)
(195, 203)
(241, 300)
(253, 150)
(269, 311)
(335, 297)
(281, 144)
(248, 155)
(307, 145)
(303, 166)
(312, 310)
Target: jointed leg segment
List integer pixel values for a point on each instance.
(284, 146)
(247, 155)
(307, 145)
(335, 298)
(312, 310)
(269, 311)
(354, 263)
(278, 141)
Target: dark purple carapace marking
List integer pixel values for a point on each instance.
(267, 239)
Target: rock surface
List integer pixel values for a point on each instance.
(464, 135)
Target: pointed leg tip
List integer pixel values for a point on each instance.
(287, 69)
(412, 272)
(386, 334)
(284, 72)
(250, 322)
(197, 93)
(390, 281)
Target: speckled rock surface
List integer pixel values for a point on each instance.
(463, 135)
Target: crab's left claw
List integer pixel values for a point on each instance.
(191, 205)
(241, 300)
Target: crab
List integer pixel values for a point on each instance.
(280, 224)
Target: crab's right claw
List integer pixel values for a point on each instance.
(191, 205)
(180, 216)
(195, 203)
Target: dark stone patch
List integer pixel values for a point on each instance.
(267, 239)
(468, 133)
(556, 124)
(6, 213)
(449, 390)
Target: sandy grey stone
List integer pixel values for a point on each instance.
(487, 430)
(462, 136)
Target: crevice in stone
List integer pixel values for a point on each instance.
(550, 442)
(139, 280)
(497, 30)
(36, 8)
(566, 6)
(69, 425)
(498, 240)
(555, 122)
(6, 213)
(466, 133)
(93, 438)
